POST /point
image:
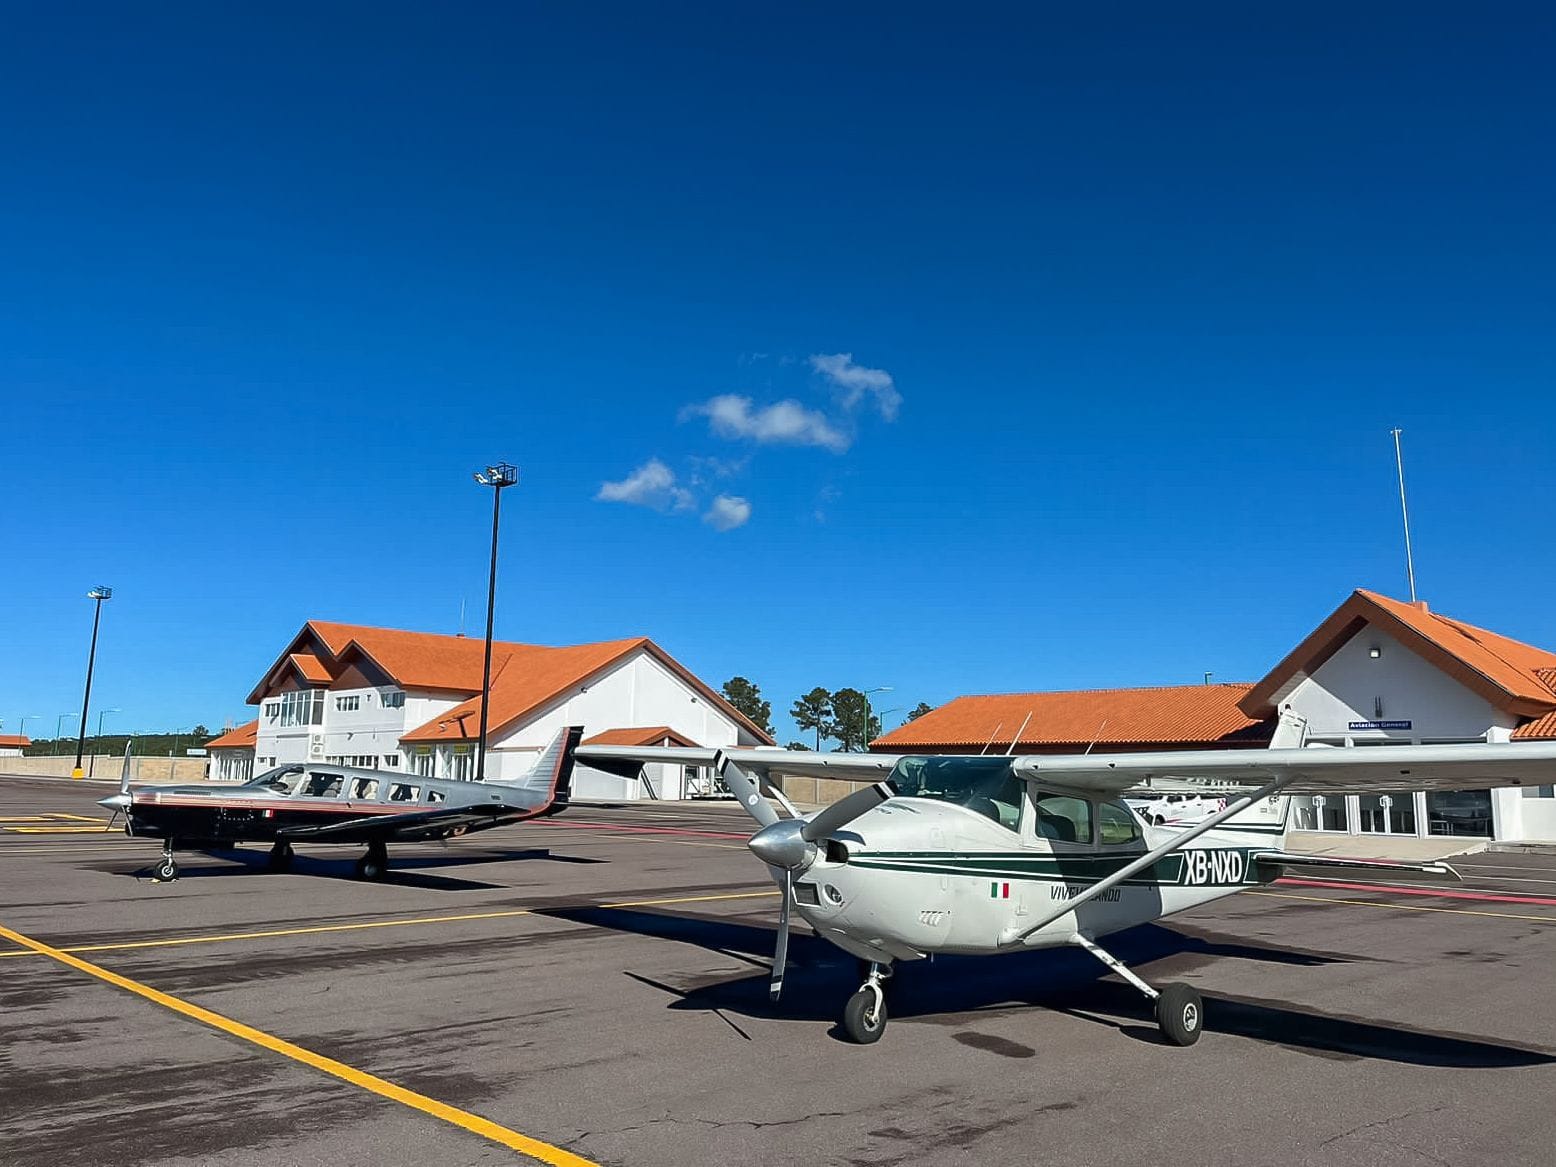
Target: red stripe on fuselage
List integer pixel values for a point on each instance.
(1484, 897)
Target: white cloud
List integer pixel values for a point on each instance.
(650, 485)
(727, 513)
(854, 381)
(784, 423)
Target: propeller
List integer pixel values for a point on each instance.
(744, 786)
(790, 846)
(119, 803)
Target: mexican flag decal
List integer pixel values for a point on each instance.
(999, 891)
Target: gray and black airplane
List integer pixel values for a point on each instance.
(321, 803)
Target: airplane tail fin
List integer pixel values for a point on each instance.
(551, 778)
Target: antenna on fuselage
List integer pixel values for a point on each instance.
(990, 742)
(1012, 751)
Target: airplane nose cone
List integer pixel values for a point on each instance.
(781, 845)
(115, 802)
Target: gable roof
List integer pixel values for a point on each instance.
(532, 677)
(1541, 728)
(21, 739)
(1168, 715)
(1502, 671)
(643, 735)
(244, 737)
(525, 677)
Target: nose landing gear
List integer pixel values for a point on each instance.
(864, 1017)
(166, 870)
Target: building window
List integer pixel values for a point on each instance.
(272, 710)
(393, 698)
(1540, 791)
(391, 760)
(304, 707)
(421, 761)
(462, 763)
(348, 704)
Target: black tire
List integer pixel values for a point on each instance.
(863, 1020)
(1181, 1014)
(280, 858)
(166, 870)
(370, 867)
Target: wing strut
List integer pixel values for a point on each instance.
(1233, 806)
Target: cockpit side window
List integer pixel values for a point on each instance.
(365, 789)
(1116, 824)
(987, 786)
(280, 781)
(436, 796)
(1063, 818)
(404, 792)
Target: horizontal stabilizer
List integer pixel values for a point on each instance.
(1340, 864)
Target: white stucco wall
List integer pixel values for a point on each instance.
(640, 691)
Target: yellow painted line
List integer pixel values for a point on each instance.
(102, 830)
(1280, 895)
(474, 1123)
(24, 818)
(362, 926)
(79, 818)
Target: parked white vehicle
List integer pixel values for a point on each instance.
(1172, 810)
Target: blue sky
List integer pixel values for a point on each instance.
(974, 350)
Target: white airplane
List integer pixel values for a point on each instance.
(988, 855)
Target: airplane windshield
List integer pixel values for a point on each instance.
(282, 780)
(986, 785)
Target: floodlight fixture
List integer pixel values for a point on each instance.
(496, 476)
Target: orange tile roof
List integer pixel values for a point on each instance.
(651, 735)
(311, 667)
(244, 737)
(1171, 715)
(1541, 728)
(524, 676)
(15, 739)
(1499, 669)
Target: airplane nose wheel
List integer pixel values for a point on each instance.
(166, 870)
(864, 1017)
(280, 856)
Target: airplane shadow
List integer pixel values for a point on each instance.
(252, 861)
(820, 977)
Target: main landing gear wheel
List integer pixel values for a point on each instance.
(373, 865)
(280, 858)
(166, 870)
(864, 1017)
(1180, 1013)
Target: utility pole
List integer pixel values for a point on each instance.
(497, 477)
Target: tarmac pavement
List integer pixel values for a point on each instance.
(597, 983)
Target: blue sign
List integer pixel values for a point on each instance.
(1380, 725)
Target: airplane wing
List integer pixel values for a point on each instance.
(765, 763)
(1314, 770)
(413, 826)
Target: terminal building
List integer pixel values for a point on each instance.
(1376, 673)
(382, 698)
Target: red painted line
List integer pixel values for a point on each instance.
(641, 830)
(1545, 901)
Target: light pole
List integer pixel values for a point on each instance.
(59, 731)
(21, 723)
(865, 744)
(497, 477)
(91, 766)
(99, 594)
